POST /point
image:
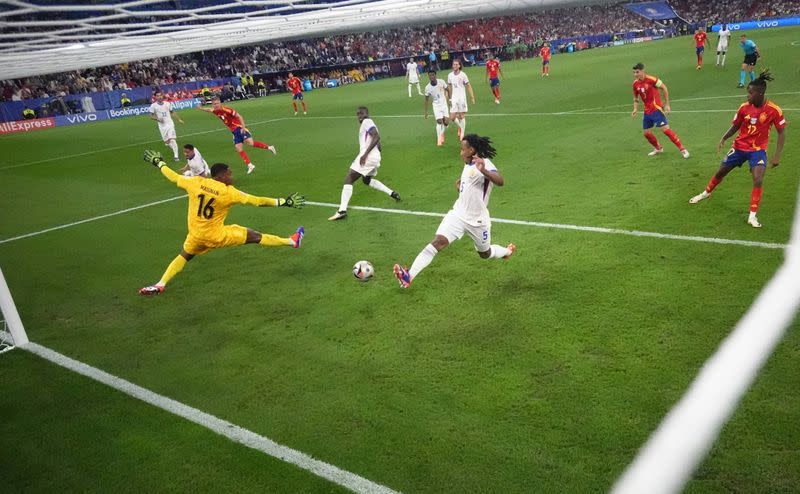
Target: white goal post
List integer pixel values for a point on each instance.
(12, 332)
(669, 458)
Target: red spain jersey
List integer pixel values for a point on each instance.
(229, 117)
(754, 123)
(492, 68)
(647, 89)
(294, 84)
(545, 53)
(700, 39)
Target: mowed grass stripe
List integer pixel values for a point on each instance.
(224, 428)
(538, 224)
(575, 112)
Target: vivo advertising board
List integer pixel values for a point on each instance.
(740, 26)
(79, 118)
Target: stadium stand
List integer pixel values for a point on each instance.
(357, 57)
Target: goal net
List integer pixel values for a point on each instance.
(38, 37)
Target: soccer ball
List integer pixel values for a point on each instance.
(363, 270)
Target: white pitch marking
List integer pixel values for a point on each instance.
(538, 224)
(231, 431)
(596, 229)
(578, 111)
(704, 98)
(87, 220)
(56, 158)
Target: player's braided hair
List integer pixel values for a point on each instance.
(761, 81)
(482, 145)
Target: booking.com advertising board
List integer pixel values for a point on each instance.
(741, 26)
(80, 118)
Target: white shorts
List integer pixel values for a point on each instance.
(722, 47)
(458, 106)
(368, 169)
(412, 80)
(440, 111)
(167, 132)
(453, 228)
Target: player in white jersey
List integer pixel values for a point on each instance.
(366, 164)
(436, 91)
(458, 83)
(195, 166)
(469, 214)
(722, 44)
(412, 76)
(161, 111)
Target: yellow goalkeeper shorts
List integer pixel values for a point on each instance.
(227, 236)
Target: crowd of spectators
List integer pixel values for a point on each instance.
(546, 25)
(720, 11)
(350, 57)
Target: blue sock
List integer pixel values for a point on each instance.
(742, 75)
(752, 75)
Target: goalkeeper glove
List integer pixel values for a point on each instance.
(154, 158)
(293, 201)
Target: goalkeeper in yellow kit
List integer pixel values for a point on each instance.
(210, 199)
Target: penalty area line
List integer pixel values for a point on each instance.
(595, 229)
(576, 111)
(230, 431)
(537, 224)
(87, 220)
(125, 146)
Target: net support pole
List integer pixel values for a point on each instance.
(10, 314)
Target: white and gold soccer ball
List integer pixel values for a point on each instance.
(363, 270)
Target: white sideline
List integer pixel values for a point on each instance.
(237, 434)
(87, 220)
(668, 459)
(115, 148)
(538, 224)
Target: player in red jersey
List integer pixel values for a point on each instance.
(241, 135)
(753, 122)
(492, 71)
(647, 87)
(296, 86)
(545, 53)
(700, 42)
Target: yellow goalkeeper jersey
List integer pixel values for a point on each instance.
(210, 201)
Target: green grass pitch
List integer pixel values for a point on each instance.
(544, 373)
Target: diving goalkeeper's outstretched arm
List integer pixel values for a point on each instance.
(292, 201)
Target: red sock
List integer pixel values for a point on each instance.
(304, 106)
(674, 138)
(295, 106)
(699, 59)
(497, 91)
(755, 198)
(244, 156)
(712, 184)
(651, 138)
(260, 145)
